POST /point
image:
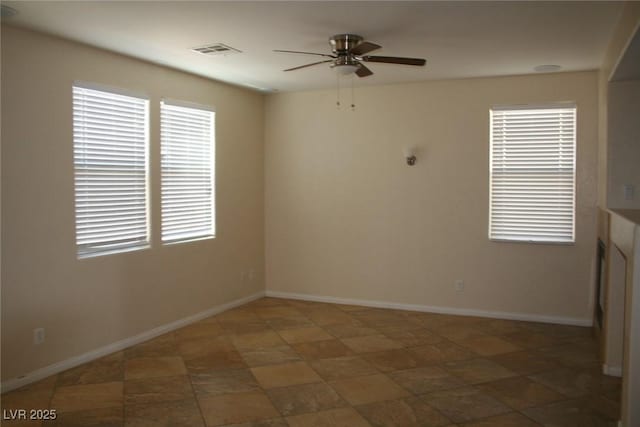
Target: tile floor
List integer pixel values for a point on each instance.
(277, 362)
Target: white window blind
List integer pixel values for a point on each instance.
(110, 142)
(188, 161)
(533, 155)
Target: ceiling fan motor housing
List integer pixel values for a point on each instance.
(341, 44)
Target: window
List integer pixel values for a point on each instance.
(533, 152)
(188, 159)
(110, 145)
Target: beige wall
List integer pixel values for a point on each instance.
(346, 217)
(89, 303)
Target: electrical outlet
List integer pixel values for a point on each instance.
(459, 284)
(252, 274)
(629, 191)
(38, 336)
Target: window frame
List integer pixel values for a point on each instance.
(545, 106)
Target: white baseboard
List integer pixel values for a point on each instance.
(72, 362)
(613, 371)
(436, 309)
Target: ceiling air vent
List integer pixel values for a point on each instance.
(215, 49)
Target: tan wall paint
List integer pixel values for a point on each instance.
(346, 217)
(93, 302)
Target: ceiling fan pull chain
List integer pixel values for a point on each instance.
(338, 91)
(353, 98)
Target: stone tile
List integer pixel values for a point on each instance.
(476, 371)
(165, 414)
(368, 389)
(148, 367)
(324, 317)
(275, 422)
(159, 389)
(270, 356)
(285, 375)
(573, 355)
(350, 330)
(32, 396)
(298, 335)
(571, 413)
(244, 327)
(458, 333)
(382, 316)
(276, 312)
(239, 314)
(164, 345)
(342, 417)
(267, 302)
(343, 367)
(605, 407)
(386, 320)
(199, 330)
(280, 323)
(525, 362)
(257, 340)
(322, 349)
(489, 345)
(104, 370)
(407, 412)
(84, 397)
(223, 382)
(520, 392)
(529, 339)
(371, 343)
(431, 321)
(413, 338)
(104, 417)
(236, 408)
(215, 361)
(305, 398)
(465, 404)
(569, 382)
(508, 420)
(558, 331)
(499, 326)
(349, 307)
(441, 352)
(425, 380)
(200, 347)
(14, 421)
(393, 360)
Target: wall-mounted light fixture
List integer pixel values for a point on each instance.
(410, 155)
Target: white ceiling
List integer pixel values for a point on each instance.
(458, 39)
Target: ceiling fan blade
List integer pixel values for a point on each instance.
(308, 65)
(304, 53)
(364, 47)
(395, 60)
(363, 71)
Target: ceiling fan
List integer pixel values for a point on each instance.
(349, 53)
